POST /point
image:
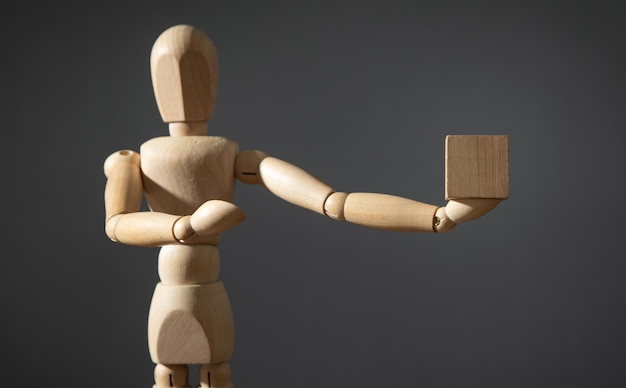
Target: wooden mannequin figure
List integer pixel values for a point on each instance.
(188, 180)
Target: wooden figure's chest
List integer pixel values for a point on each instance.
(181, 173)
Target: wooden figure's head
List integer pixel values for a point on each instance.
(183, 64)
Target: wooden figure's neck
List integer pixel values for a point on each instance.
(191, 128)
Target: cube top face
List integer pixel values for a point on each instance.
(477, 166)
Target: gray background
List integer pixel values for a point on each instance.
(361, 94)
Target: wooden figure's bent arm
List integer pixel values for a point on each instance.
(126, 224)
(122, 198)
(374, 210)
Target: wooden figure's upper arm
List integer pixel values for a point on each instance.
(283, 179)
(124, 189)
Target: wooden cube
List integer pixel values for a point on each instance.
(477, 166)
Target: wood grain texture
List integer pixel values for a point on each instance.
(477, 166)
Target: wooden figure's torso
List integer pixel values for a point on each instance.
(181, 173)
(190, 317)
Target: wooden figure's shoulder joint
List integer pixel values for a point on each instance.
(120, 158)
(247, 166)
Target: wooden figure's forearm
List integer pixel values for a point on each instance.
(146, 229)
(153, 229)
(382, 211)
(216, 216)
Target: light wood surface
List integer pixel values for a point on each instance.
(384, 211)
(170, 376)
(464, 210)
(145, 229)
(181, 173)
(190, 324)
(188, 264)
(334, 206)
(247, 166)
(293, 184)
(184, 71)
(215, 376)
(215, 216)
(123, 191)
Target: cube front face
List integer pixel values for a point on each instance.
(477, 166)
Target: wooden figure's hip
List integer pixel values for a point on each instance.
(190, 324)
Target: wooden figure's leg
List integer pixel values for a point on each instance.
(170, 376)
(215, 376)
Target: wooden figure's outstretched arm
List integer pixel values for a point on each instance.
(374, 210)
(476, 182)
(126, 224)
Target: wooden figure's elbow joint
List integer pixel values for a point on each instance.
(334, 205)
(111, 225)
(182, 229)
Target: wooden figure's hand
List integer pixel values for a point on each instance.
(468, 209)
(213, 216)
(463, 210)
(477, 178)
